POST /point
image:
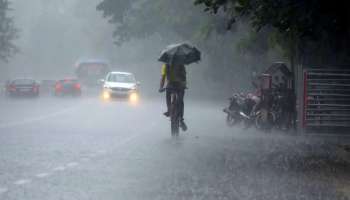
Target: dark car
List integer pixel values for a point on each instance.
(68, 87)
(22, 87)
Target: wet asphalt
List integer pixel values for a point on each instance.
(85, 148)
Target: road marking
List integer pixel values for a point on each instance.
(60, 168)
(42, 175)
(40, 118)
(22, 182)
(72, 164)
(3, 190)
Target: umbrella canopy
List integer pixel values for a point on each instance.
(180, 54)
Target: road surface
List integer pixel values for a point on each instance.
(83, 148)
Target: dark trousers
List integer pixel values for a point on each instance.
(180, 94)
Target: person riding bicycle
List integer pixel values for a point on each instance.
(173, 79)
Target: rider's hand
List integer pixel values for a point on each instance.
(161, 90)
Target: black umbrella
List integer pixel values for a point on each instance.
(180, 54)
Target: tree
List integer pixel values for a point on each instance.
(181, 20)
(141, 19)
(316, 26)
(8, 32)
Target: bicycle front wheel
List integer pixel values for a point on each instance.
(175, 121)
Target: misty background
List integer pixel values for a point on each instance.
(54, 35)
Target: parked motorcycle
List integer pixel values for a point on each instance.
(239, 110)
(249, 110)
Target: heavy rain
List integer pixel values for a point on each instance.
(163, 99)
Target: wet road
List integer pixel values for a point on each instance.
(80, 149)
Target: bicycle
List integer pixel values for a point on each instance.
(174, 112)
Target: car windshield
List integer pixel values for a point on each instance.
(121, 78)
(23, 81)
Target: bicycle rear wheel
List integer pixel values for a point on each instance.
(175, 127)
(174, 117)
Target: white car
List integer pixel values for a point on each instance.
(122, 85)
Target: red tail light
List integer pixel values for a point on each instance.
(77, 86)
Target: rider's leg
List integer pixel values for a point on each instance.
(181, 94)
(168, 102)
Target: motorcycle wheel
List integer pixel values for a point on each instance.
(248, 123)
(230, 120)
(262, 124)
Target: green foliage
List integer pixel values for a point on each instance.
(181, 20)
(302, 17)
(298, 21)
(143, 18)
(8, 32)
(255, 43)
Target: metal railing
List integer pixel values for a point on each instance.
(326, 99)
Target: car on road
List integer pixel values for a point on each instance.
(22, 87)
(69, 86)
(90, 71)
(120, 85)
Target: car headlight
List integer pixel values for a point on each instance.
(134, 97)
(106, 95)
